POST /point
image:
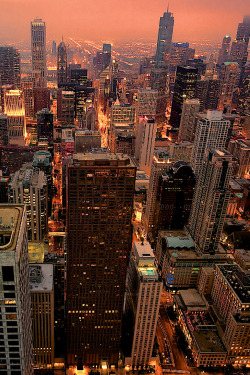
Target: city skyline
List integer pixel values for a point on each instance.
(208, 20)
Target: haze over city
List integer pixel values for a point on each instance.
(120, 20)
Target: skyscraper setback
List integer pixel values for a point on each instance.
(38, 47)
(100, 192)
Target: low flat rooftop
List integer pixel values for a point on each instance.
(192, 298)
(209, 342)
(41, 277)
(36, 251)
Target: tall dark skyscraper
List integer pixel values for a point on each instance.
(224, 51)
(61, 63)
(164, 41)
(239, 49)
(174, 200)
(9, 66)
(185, 84)
(100, 189)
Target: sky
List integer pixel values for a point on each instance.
(121, 19)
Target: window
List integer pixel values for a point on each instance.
(8, 273)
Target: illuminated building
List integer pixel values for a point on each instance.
(184, 88)
(160, 165)
(188, 120)
(224, 51)
(230, 294)
(145, 143)
(240, 149)
(38, 48)
(9, 66)
(4, 137)
(86, 139)
(106, 49)
(65, 107)
(200, 330)
(159, 83)
(147, 102)
(174, 198)
(178, 262)
(210, 200)
(180, 53)
(142, 305)
(45, 124)
(244, 97)
(27, 88)
(211, 133)
(164, 41)
(14, 108)
(100, 193)
(123, 114)
(62, 63)
(29, 186)
(207, 91)
(42, 313)
(16, 332)
(228, 76)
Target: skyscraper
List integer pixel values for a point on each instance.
(188, 120)
(184, 88)
(207, 91)
(210, 201)
(9, 66)
(65, 107)
(224, 51)
(14, 108)
(45, 124)
(147, 102)
(61, 63)
(38, 47)
(145, 143)
(29, 186)
(142, 305)
(211, 133)
(15, 319)
(164, 41)
(229, 75)
(100, 191)
(239, 49)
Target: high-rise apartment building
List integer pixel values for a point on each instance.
(142, 305)
(230, 294)
(9, 66)
(210, 200)
(100, 190)
(228, 75)
(65, 107)
(188, 120)
(207, 91)
(4, 137)
(61, 63)
(122, 138)
(184, 88)
(224, 51)
(239, 49)
(42, 313)
(27, 89)
(147, 102)
(145, 143)
(38, 47)
(164, 41)
(29, 186)
(14, 108)
(211, 133)
(240, 149)
(45, 124)
(15, 318)
(41, 98)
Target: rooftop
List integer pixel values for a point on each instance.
(41, 277)
(178, 239)
(37, 251)
(103, 159)
(238, 280)
(192, 298)
(209, 342)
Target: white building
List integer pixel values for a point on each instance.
(142, 304)
(211, 133)
(15, 317)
